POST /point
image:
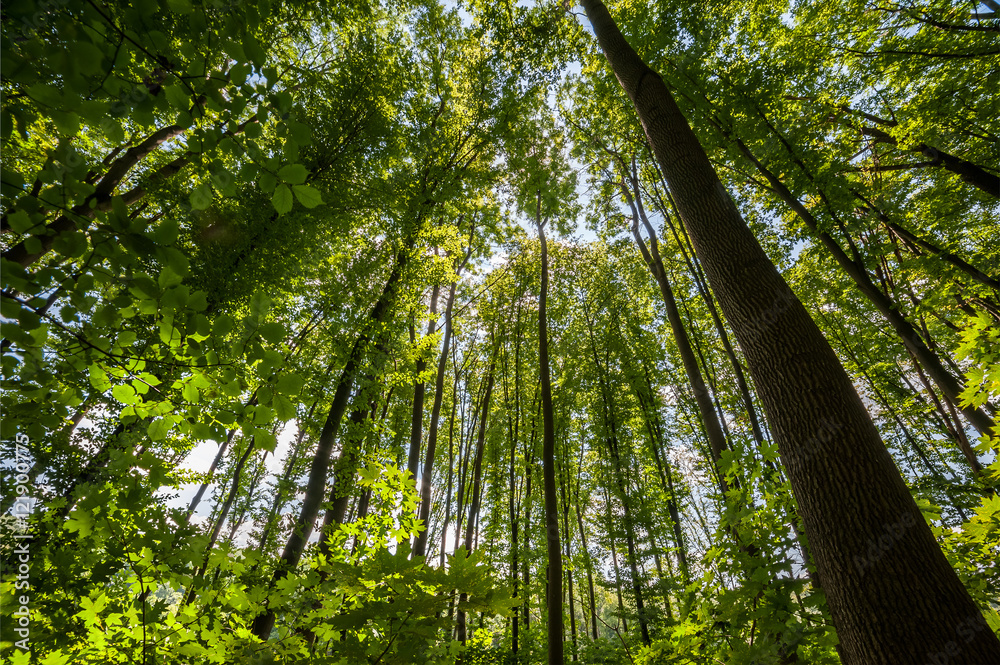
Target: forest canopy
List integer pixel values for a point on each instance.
(470, 332)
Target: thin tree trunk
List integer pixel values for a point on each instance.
(417, 426)
(427, 475)
(587, 562)
(555, 569)
(477, 474)
(614, 562)
(709, 418)
(316, 485)
(569, 571)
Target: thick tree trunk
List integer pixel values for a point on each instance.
(900, 603)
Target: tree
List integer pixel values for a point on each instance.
(774, 330)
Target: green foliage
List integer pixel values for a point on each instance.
(203, 200)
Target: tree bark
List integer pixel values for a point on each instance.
(555, 569)
(901, 604)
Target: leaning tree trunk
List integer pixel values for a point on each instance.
(892, 594)
(316, 484)
(709, 418)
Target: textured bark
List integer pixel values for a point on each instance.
(513, 430)
(345, 468)
(529, 465)
(555, 569)
(901, 604)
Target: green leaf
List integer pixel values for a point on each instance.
(254, 51)
(169, 278)
(158, 429)
(178, 96)
(125, 394)
(307, 196)
(293, 174)
(180, 6)
(290, 384)
(201, 197)
(273, 332)
(264, 440)
(99, 378)
(20, 222)
(283, 408)
(282, 199)
(191, 393)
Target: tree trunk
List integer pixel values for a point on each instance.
(316, 485)
(709, 418)
(427, 475)
(477, 475)
(417, 426)
(855, 269)
(555, 569)
(901, 604)
(569, 555)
